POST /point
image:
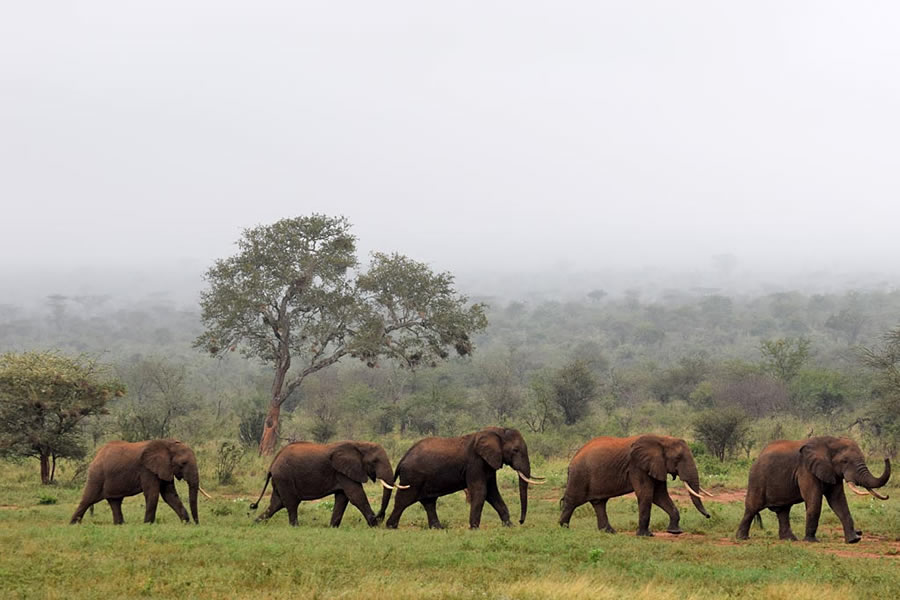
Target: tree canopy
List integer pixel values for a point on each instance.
(294, 297)
(44, 397)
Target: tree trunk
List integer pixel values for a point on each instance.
(45, 469)
(270, 429)
(53, 469)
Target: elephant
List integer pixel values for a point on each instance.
(309, 471)
(437, 466)
(123, 469)
(607, 467)
(788, 472)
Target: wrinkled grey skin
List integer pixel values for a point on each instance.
(308, 471)
(607, 467)
(123, 469)
(434, 467)
(789, 472)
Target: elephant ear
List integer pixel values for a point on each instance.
(347, 460)
(157, 458)
(488, 447)
(647, 454)
(815, 457)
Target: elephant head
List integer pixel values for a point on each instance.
(168, 459)
(659, 456)
(362, 461)
(499, 446)
(831, 459)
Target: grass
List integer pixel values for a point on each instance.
(228, 556)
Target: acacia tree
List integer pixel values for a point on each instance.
(44, 397)
(294, 298)
(885, 411)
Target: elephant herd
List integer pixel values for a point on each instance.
(786, 473)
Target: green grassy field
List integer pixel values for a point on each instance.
(228, 556)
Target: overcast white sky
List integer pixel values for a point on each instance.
(466, 134)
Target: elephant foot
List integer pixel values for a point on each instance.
(439, 526)
(742, 536)
(372, 521)
(788, 538)
(674, 530)
(859, 532)
(644, 533)
(609, 529)
(853, 540)
(390, 525)
(507, 523)
(566, 525)
(811, 539)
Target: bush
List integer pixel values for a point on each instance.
(227, 459)
(722, 430)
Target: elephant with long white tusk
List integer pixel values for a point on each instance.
(435, 467)
(790, 472)
(607, 467)
(306, 471)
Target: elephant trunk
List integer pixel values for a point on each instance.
(387, 475)
(865, 478)
(689, 475)
(524, 469)
(193, 481)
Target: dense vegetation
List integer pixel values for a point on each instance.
(782, 365)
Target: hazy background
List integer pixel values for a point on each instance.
(549, 147)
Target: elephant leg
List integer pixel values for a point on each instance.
(784, 523)
(813, 510)
(291, 506)
(837, 500)
(568, 507)
(170, 495)
(275, 504)
(402, 501)
(92, 495)
(115, 505)
(496, 501)
(340, 505)
(662, 499)
(430, 506)
(602, 518)
(151, 499)
(477, 496)
(750, 511)
(644, 493)
(357, 497)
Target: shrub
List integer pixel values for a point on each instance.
(722, 430)
(227, 459)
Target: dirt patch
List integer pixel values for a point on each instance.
(9, 507)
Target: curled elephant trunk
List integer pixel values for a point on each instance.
(386, 478)
(865, 478)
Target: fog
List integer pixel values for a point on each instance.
(597, 144)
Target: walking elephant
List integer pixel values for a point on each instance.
(789, 472)
(434, 467)
(607, 467)
(123, 469)
(308, 471)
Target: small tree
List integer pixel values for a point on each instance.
(44, 398)
(722, 430)
(783, 358)
(157, 396)
(885, 411)
(292, 298)
(573, 389)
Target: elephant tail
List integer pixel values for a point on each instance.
(759, 520)
(255, 505)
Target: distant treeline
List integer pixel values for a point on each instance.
(777, 365)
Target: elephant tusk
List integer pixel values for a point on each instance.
(691, 490)
(531, 481)
(856, 490)
(877, 495)
(400, 487)
(202, 491)
(385, 484)
(702, 491)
